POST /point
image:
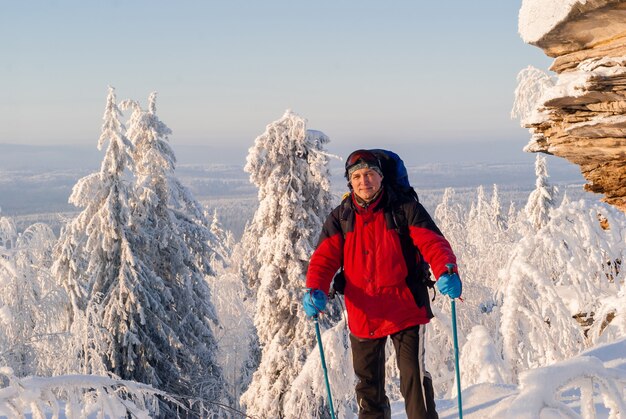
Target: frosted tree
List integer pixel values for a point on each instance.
(482, 245)
(225, 243)
(134, 268)
(543, 198)
(38, 301)
(236, 355)
(483, 251)
(451, 218)
(532, 86)
(561, 274)
(175, 249)
(496, 210)
(8, 236)
(289, 166)
(593, 278)
(16, 305)
(94, 260)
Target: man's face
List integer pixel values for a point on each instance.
(365, 183)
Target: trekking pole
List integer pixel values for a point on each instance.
(456, 349)
(319, 342)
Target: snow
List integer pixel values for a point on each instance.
(536, 397)
(538, 17)
(541, 389)
(74, 396)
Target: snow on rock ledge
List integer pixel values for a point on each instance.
(585, 124)
(559, 26)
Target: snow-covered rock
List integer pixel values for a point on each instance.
(582, 115)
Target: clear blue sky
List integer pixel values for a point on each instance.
(364, 72)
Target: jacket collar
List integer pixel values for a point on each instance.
(373, 205)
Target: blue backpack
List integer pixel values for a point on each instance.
(395, 175)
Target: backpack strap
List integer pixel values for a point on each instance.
(346, 220)
(415, 263)
(346, 214)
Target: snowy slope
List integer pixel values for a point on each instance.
(550, 392)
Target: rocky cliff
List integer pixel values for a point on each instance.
(581, 116)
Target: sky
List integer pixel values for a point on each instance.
(366, 73)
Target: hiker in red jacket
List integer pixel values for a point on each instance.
(384, 294)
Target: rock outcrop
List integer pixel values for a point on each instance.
(582, 117)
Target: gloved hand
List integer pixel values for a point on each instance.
(449, 283)
(314, 302)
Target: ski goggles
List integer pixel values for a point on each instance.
(364, 156)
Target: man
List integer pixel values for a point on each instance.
(382, 296)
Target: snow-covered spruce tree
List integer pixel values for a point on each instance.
(289, 166)
(496, 210)
(543, 198)
(175, 247)
(95, 263)
(225, 242)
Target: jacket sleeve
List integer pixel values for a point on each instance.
(327, 257)
(429, 240)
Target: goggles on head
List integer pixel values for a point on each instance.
(364, 156)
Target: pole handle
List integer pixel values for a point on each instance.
(450, 267)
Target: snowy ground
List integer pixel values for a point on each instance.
(550, 392)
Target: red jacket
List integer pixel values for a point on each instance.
(378, 300)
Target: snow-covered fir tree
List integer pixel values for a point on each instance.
(289, 166)
(134, 261)
(95, 263)
(224, 245)
(175, 249)
(543, 198)
(496, 209)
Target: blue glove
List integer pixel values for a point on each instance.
(450, 284)
(314, 302)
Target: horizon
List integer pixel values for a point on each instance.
(486, 152)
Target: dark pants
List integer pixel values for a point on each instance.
(368, 358)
